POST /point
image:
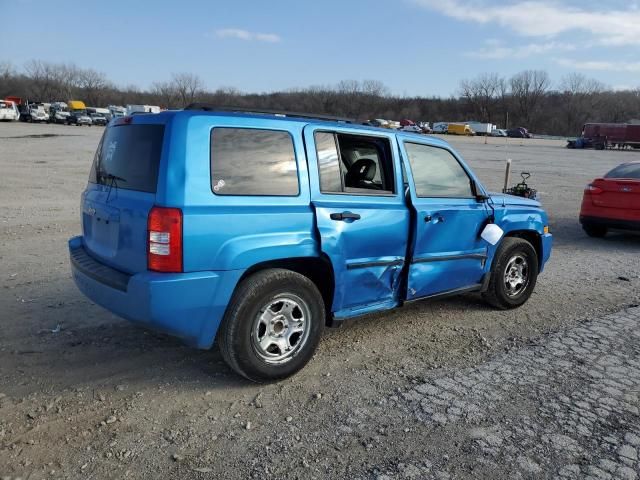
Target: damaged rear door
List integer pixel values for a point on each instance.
(361, 216)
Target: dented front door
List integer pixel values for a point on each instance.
(363, 234)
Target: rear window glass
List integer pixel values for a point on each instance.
(628, 170)
(128, 157)
(248, 161)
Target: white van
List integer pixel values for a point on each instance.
(8, 110)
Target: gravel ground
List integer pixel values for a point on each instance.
(84, 394)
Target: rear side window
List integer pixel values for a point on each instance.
(249, 161)
(355, 164)
(128, 156)
(627, 170)
(437, 173)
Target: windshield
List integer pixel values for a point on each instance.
(128, 156)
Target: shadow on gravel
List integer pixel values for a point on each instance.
(108, 352)
(568, 232)
(39, 135)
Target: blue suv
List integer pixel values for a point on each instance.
(260, 229)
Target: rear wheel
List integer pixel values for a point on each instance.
(595, 231)
(514, 273)
(272, 326)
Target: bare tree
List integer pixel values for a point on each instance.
(166, 93)
(527, 90)
(92, 84)
(187, 86)
(524, 99)
(483, 93)
(580, 97)
(374, 88)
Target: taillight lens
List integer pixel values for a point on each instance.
(593, 190)
(164, 240)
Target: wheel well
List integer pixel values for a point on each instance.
(317, 269)
(533, 238)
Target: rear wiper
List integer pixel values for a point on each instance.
(112, 178)
(113, 181)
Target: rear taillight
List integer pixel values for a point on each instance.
(593, 190)
(164, 240)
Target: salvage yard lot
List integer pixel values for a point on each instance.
(84, 394)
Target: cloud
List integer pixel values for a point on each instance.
(246, 35)
(542, 18)
(599, 65)
(497, 51)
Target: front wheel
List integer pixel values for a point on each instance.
(272, 326)
(513, 274)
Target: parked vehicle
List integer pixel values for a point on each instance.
(411, 128)
(612, 201)
(268, 227)
(76, 105)
(481, 128)
(117, 111)
(17, 101)
(460, 129)
(440, 127)
(607, 135)
(98, 119)
(36, 113)
(79, 118)
(58, 112)
(8, 111)
(131, 109)
(407, 125)
(426, 128)
(518, 132)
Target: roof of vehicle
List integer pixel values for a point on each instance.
(308, 119)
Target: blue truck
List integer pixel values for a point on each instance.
(259, 229)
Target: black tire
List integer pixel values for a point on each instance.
(594, 231)
(497, 293)
(239, 330)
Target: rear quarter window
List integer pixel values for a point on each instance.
(250, 161)
(129, 156)
(627, 170)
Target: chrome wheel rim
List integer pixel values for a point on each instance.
(281, 328)
(516, 275)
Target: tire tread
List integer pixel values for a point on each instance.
(250, 289)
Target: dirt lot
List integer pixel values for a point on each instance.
(84, 394)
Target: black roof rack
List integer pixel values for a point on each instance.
(207, 107)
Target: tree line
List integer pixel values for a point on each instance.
(528, 98)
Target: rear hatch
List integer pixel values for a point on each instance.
(619, 189)
(120, 193)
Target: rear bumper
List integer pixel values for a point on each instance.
(610, 222)
(187, 305)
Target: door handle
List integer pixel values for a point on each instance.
(345, 216)
(438, 218)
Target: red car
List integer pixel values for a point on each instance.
(612, 201)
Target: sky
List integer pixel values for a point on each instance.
(415, 47)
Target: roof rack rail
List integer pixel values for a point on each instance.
(208, 107)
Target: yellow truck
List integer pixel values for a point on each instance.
(460, 129)
(76, 105)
